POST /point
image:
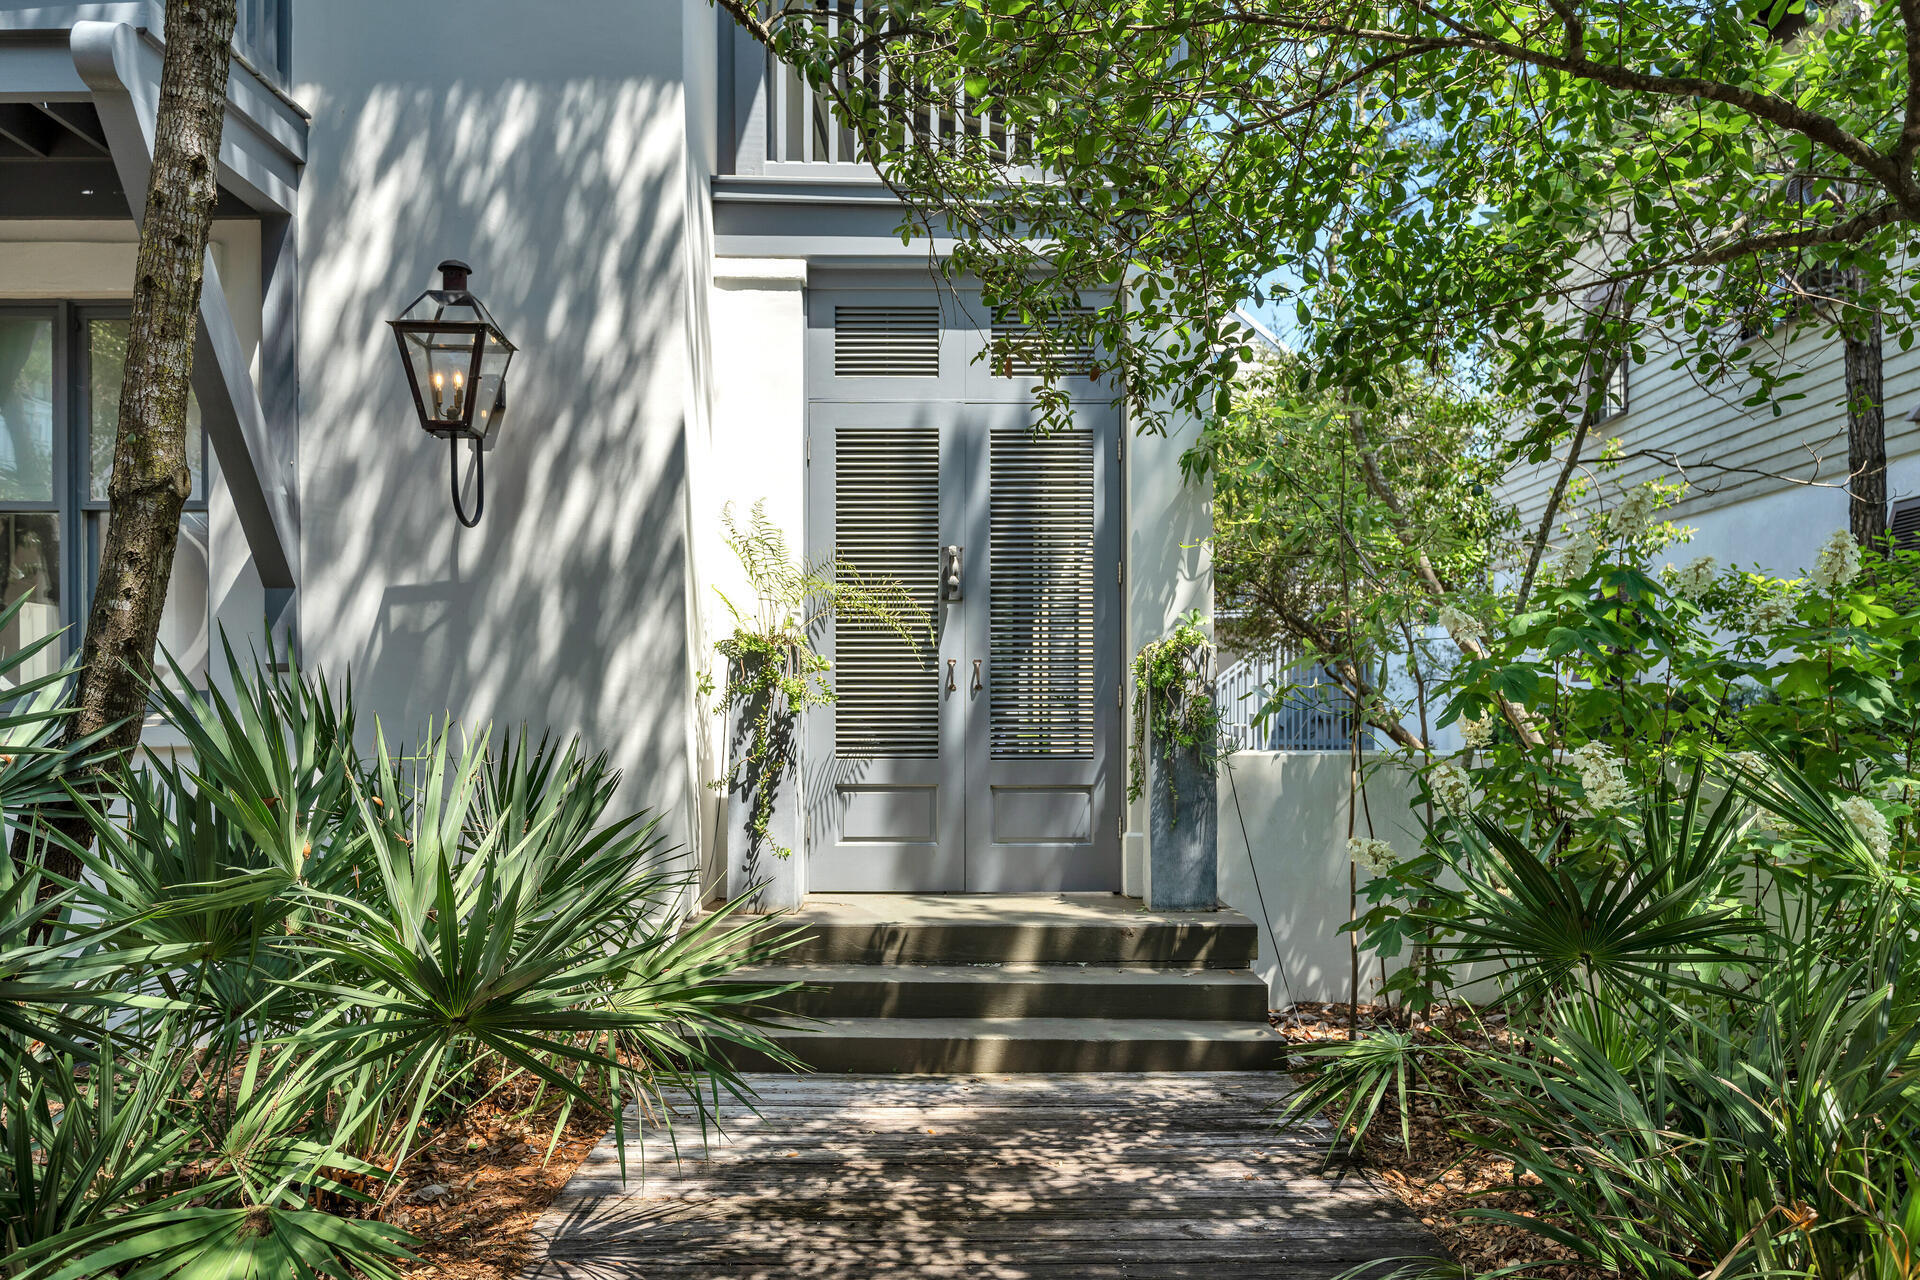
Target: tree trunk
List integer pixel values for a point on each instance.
(150, 478)
(1866, 423)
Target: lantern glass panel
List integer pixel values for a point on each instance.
(442, 368)
(495, 355)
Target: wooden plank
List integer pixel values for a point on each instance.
(1089, 1177)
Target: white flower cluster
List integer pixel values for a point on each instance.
(1750, 764)
(1376, 856)
(1575, 559)
(1476, 731)
(1773, 612)
(1693, 578)
(1461, 625)
(1634, 513)
(1451, 787)
(1870, 823)
(1837, 564)
(1601, 777)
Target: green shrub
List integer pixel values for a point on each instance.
(286, 956)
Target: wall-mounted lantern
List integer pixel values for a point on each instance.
(456, 360)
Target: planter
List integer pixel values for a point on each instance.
(1183, 830)
(757, 868)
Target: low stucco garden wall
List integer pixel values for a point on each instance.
(1291, 808)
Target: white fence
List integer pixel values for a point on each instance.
(1279, 701)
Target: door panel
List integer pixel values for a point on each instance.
(1041, 761)
(989, 761)
(883, 782)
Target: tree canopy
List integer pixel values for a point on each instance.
(1510, 185)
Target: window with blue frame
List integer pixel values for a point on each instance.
(60, 371)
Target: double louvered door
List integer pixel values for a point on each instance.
(985, 758)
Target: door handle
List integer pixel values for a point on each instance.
(976, 675)
(950, 573)
(951, 664)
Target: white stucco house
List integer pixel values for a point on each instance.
(711, 305)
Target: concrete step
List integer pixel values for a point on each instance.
(1016, 991)
(980, 1045)
(1037, 929)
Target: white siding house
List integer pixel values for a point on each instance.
(1765, 490)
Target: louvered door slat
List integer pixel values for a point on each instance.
(1041, 615)
(886, 342)
(887, 526)
(1021, 349)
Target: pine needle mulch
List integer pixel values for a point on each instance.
(1440, 1174)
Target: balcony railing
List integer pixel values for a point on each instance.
(802, 127)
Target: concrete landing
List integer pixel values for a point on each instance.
(1076, 1177)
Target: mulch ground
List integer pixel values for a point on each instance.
(474, 1194)
(1441, 1174)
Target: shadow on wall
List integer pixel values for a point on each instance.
(566, 608)
(1291, 808)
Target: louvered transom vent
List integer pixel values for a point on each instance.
(1040, 620)
(1024, 350)
(1904, 524)
(886, 524)
(886, 342)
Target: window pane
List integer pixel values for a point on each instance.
(30, 568)
(107, 368)
(26, 409)
(185, 618)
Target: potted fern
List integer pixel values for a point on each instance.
(1175, 744)
(773, 675)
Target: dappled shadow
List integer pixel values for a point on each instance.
(562, 180)
(1084, 1176)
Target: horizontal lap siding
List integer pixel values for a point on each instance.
(1670, 412)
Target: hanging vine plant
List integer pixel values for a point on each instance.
(772, 666)
(1174, 709)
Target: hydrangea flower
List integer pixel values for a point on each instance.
(1692, 579)
(1601, 777)
(1476, 731)
(1869, 823)
(1774, 612)
(1837, 564)
(1377, 856)
(1575, 560)
(1633, 516)
(1451, 787)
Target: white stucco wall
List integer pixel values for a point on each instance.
(547, 146)
(1779, 532)
(93, 261)
(754, 450)
(1284, 864)
(1169, 571)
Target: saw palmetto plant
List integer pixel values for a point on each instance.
(290, 955)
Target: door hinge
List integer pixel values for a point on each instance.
(809, 450)
(1120, 573)
(1119, 454)
(1120, 695)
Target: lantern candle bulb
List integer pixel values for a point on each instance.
(459, 391)
(439, 381)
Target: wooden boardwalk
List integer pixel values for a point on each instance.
(994, 1177)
